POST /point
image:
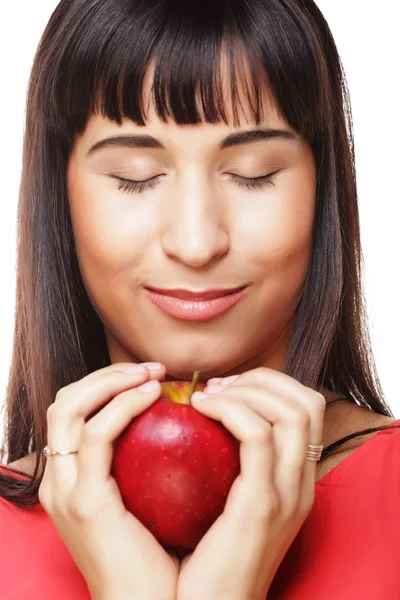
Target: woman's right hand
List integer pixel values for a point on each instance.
(118, 557)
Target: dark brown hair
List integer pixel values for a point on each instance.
(92, 57)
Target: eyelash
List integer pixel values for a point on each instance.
(251, 183)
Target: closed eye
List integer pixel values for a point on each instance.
(130, 185)
(252, 183)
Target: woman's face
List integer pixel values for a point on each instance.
(197, 227)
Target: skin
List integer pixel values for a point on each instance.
(198, 228)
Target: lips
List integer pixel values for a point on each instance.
(196, 306)
(196, 296)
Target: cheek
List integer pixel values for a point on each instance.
(277, 229)
(112, 230)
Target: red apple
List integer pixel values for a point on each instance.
(174, 467)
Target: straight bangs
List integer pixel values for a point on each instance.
(206, 58)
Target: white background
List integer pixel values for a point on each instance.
(368, 42)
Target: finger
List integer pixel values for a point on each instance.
(157, 370)
(66, 418)
(278, 381)
(257, 453)
(214, 380)
(96, 448)
(291, 433)
(295, 426)
(286, 386)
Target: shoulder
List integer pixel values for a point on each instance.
(388, 447)
(375, 461)
(348, 419)
(362, 450)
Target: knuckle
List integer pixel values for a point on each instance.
(302, 419)
(51, 413)
(109, 376)
(78, 509)
(261, 433)
(320, 401)
(93, 434)
(257, 374)
(44, 496)
(57, 410)
(114, 377)
(270, 509)
(292, 507)
(262, 505)
(290, 511)
(112, 381)
(61, 394)
(59, 407)
(262, 372)
(266, 508)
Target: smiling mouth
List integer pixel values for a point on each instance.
(196, 306)
(196, 296)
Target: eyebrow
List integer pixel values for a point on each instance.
(233, 139)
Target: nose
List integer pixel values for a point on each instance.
(194, 230)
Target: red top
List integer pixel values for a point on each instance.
(347, 548)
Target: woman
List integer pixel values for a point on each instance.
(201, 146)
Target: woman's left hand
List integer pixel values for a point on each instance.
(274, 417)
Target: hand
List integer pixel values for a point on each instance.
(118, 557)
(274, 417)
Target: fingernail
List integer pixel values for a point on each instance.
(200, 396)
(153, 366)
(214, 380)
(214, 388)
(136, 369)
(149, 386)
(228, 380)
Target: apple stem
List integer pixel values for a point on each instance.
(192, 388)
